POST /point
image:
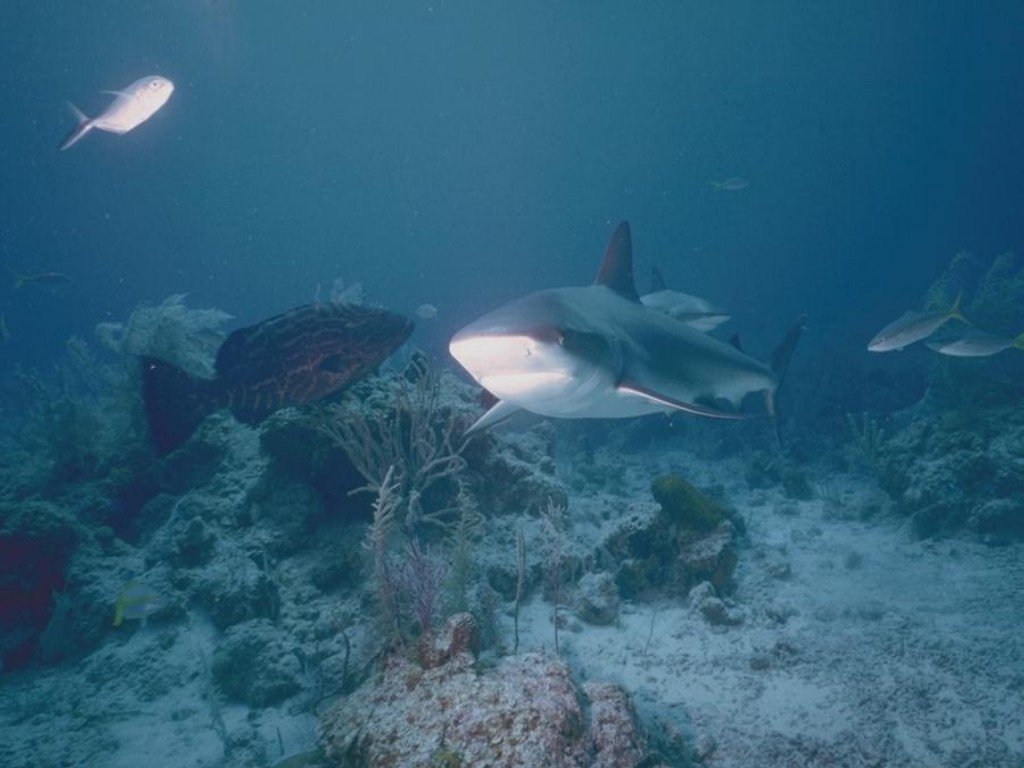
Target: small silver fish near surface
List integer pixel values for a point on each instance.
(913, 327)
(131, 107)
(52, 280)
(426, 311)
(970, 342)
(732, 184)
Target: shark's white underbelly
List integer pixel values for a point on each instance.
(606, 403)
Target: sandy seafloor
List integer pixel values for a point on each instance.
(858, 645)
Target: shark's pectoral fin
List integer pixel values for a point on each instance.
(632, 388)
(496, 414)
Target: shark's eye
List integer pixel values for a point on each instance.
(154, 84)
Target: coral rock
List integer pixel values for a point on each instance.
(255, 664)
(712, 557)
(613, 732)
(525, 712)
(685, 505)
(460, 635)
(597, 600)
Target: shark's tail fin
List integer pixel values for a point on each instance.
(83, 126)
(779, 363)
(175, 402)
(783, 352)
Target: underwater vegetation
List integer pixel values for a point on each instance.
(415, 592)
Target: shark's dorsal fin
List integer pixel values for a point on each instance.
(657, 280)
(616, 270)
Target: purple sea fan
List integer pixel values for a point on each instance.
(421, 579)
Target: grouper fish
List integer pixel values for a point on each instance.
(599, 352)
(298, 357)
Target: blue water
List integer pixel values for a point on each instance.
(460, 155)
(463, 154)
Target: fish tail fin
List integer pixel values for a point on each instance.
(175, 402)
(955, 312)
(83, 126)
(1019, 342)
(779, 363)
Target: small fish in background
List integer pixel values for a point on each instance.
(352, 293)
(5, 334)
(137, 602)
(732, 184)
(913, 327)
(53, 280)
(970, 342)
(694, 311)
(426, 311)
(131, 107)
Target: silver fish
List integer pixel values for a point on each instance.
(598, 352)
(969, 342)
(913, 327)
(426, 311)
(732, 184)
(130, 108)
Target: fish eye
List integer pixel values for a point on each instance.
(154, 84)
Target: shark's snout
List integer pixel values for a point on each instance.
(513, 367)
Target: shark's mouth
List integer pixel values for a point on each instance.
(509, 386)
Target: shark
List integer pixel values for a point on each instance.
(692, 310)
(598, 352)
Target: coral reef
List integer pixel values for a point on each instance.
(464, 611)
(257, 663)
(685, 506)
(525, 711)
(993, 300)
(959, 469)
(687, 538)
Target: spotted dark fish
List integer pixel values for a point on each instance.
(299, 357)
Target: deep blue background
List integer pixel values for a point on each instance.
(462, 153)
